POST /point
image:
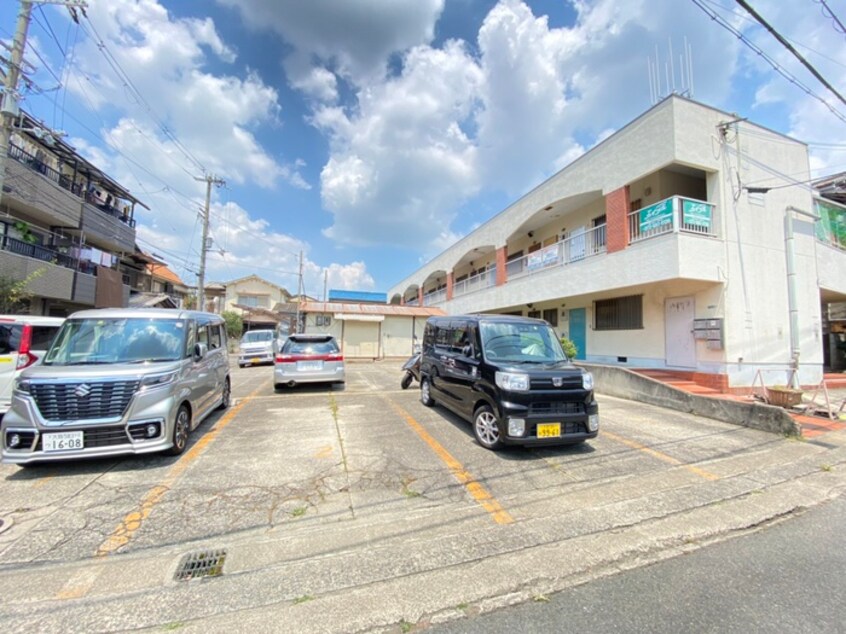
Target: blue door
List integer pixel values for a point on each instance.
(578, 331)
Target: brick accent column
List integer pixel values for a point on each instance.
(450, 282)
(420, 296)
(501, 259)
(617, 206)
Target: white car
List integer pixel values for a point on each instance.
(23, 341)
(256, 347)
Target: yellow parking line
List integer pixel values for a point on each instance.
(476, 490)
(133, 521)
(661, 456)
(80, 583)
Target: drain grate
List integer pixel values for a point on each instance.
(205, 563)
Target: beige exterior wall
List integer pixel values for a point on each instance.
(256, 287)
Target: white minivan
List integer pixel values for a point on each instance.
(23, 341)
(119, 381)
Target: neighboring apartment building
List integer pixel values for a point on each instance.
(649, 251)
(63, 217)
(155, 285)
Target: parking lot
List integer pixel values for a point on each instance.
(361, 484)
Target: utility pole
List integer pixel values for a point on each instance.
(300, 291)
(204, 247)
(9, 108)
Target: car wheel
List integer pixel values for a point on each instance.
(181, 430)
(486, 428)
(406, 380)
(226, 397)
(425, 393)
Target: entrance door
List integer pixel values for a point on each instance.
(678, 330)
(361, 339)
(578, 331)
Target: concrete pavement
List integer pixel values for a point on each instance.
(350, 521)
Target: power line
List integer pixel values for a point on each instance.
(790, 48)
(775, 65)
(828, 13)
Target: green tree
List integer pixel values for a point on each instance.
(234, 324)
(190, 301)
(570, 348)
(14, 293)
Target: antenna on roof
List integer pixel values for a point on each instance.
(658, 89)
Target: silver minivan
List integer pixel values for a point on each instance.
(119, 381)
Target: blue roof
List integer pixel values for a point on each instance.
(357, 296)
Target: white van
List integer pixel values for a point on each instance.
(119, 381)
(23, 341)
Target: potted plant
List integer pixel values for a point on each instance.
(783, 396)
(570, 348)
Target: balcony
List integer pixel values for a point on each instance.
(671, 215)
(434, 297)
(574, 248)
(45, 278)
(37, 252)
(474, 283)
(105, 227)
(39, 194)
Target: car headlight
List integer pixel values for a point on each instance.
(587, 380)
(512, 381)
(23, 385)
(157, 380)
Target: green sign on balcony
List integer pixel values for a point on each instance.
(656, 216)
(696, 214)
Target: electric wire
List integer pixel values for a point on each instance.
(791, 49)
(828, 13)
(775, 65)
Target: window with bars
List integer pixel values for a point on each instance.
(619, 313)
(551, 315)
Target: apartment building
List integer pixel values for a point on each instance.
(64, 225)
(684, 241)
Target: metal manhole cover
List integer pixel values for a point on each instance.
(205, 563)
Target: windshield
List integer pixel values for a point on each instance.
(520, 342)
(257, 336)
(105, 341)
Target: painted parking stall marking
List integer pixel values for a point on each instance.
(702, 473)
(133, 521)
(473, 487)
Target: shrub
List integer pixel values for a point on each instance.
(570, 348)
(234, 324)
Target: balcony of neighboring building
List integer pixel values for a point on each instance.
(58, 187)
(830, 231)
(661, 227)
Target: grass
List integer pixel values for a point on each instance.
(405, 626)
(333, 407)
(540, 598)
(172, 626)
(299, 511)
(826, 467)
(303, 599)
(408, 491)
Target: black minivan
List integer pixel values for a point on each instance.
(509, 376)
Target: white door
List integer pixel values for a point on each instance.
(678, 328)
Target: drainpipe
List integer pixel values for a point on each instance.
(792, 303)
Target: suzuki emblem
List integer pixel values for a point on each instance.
(82, 390)
(557, 381)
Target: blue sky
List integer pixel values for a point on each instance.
(371, 134)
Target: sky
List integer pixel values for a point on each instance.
(369, 135)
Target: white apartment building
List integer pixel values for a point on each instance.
(650, 251)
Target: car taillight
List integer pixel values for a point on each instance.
(293, 358)
(25, 357)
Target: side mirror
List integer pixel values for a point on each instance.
(200, 350)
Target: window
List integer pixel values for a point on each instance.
(203, 334)
(620, 313)
(214, 330)
(322, 320)
(253, 301)
(534, 314)
(551, 315)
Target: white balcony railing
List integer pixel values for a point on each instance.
(434, 297)
(478, 282)
(574, 248)
(412, 302)
(671, 215)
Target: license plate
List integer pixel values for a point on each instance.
(63, 441)
(309, 366)
(549, 430)
(255, 360)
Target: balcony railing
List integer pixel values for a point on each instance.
(574, 248)
(831, 225)
(671, 215)
(477, 282)
(65, 182)
(38, 252)
(412, 302)
(434, 297)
